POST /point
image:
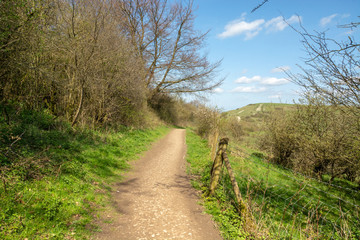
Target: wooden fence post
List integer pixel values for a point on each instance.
(214, 143)
(217, 165)
(242, 206)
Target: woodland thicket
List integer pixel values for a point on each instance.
(101, 62)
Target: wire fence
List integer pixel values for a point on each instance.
(289, 205)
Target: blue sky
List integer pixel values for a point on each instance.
(254, 46)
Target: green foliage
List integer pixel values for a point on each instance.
(233, 127)
(54, 178)
(165, 107)
(246, 124)
(254, 111)
(283, 204)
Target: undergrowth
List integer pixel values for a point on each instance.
(281, 204)
(221, 205)
(54, 177)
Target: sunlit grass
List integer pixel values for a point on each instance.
(220, 205)
(54, 178)
(284, 205)
(291, 205)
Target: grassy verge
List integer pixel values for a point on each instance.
(281, 203)
(54, 177)
(287, 205)
(221, 205)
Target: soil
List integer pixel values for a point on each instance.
(156, 200)
(258, 109)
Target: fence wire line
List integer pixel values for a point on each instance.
(293, 171)
(318, 189)
(312, 200)
(303, 208)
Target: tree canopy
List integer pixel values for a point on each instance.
(100, 61)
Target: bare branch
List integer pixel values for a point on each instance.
(259, 6)
(169, 45)
(332, 69)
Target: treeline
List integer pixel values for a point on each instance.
(100, 62)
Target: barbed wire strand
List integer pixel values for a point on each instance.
(301, 174)
(304, 210)
(318, 189)
(312, 200)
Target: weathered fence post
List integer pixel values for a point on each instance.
(214, 143)
(217, 165)
(235, 186)
(221, 157)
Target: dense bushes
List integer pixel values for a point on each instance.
(316, 139)
(69, 58)
(97, 63)
(207, 121)
(233, 127)
(323, 135)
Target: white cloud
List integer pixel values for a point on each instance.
(248, 80)
(294, 19)
(252, 89)
(279, 23)
(327, 20)
(251, 29)
(274, 81)
(280, 69)
(239, 26)
(218, 90)
(276, 24)
(263, 80)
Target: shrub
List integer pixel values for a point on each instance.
(316, 139)
(233, 126)
(280, 139)
(207, 121)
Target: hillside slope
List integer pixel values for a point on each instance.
(246, 124)
(253, 110)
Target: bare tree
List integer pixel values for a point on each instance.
(325, 129)
(169, 46)
(332, 69)
(97, 75)
(99, 61)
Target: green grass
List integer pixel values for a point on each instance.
(256, 110)
(54, 178)
(251, 119)
(221, 205)
(291, 206)
(283, 204)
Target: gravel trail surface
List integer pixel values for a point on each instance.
(156, 200)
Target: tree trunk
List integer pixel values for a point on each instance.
(78, 111)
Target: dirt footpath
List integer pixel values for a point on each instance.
(156, 200)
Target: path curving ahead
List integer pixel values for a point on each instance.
(156, 200)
